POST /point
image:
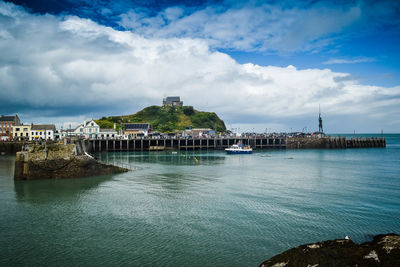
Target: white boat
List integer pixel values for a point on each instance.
(239, 149)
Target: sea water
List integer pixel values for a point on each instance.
(200, 208)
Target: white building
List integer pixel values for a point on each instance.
(107, 134)
(87, 130)
(90, 130)
(42, 132)
(66, 133)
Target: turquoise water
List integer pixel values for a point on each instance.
(200, 208)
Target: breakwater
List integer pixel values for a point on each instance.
(58, 161)
(151, 144)
(334, 142)
(148, 144)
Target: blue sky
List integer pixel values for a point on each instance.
(258, 64)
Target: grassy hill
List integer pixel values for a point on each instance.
(168, 119)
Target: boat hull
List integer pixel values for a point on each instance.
(238, 151)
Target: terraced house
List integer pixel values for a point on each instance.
(43, 132)
(6, 126)
(22, 132)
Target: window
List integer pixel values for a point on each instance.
(92, 124)
(17, 129)
(49, 133)
(25, 129)
(27, 134)
(16, 134)
(40, 133)
(81, 129)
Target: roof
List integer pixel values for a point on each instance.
(8, 118)
(86, 123)
(170, 99)
(136, 126)
(72, 130)
(202, 129)
(44, 127)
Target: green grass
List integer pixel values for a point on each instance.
(168, 119)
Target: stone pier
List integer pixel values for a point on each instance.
(58, 161)
(148, 144)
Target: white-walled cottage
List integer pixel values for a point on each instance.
(42, 132)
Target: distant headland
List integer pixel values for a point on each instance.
(167, 119)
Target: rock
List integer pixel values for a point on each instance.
(60, 163)
(383, 250)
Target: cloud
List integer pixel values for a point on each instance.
(250, 27)
(282, 27)
(349, 61)
(69, 66)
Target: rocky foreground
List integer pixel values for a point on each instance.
(383, 250)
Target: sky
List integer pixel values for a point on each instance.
(260, 65)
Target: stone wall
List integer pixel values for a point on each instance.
(11, 147)
(58, 162)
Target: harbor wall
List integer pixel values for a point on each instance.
(12, 147)
(334, 143)
(58, 161)
(147, 144)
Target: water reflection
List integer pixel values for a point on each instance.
(7, 164)
(43, 191)
(178, 181)
(166, 158)
(168, 172)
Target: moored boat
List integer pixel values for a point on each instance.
(239, 149)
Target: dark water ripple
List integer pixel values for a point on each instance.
(200, 208)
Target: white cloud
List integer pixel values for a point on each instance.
(65, 67)
(349, 61)
(251, 27)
